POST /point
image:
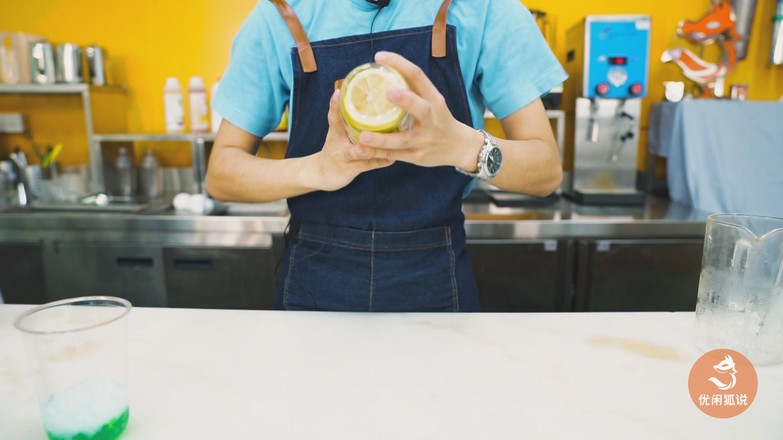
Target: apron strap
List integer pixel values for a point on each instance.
(439, 31)
(297, 31)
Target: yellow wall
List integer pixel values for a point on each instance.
(149, 40)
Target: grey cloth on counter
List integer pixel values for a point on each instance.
(723, 156)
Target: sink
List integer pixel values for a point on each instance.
(125, 208)
(97, 203)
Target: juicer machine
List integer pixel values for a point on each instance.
(607, 59)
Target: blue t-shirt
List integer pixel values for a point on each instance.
(506, 64)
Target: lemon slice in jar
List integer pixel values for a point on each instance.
(363, 102)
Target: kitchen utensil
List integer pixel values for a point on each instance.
(19, 159)
(740, 299)
(126, 174)
(42, 62)
(97, 64)
(51, 156)
(776, 52)
(6, 189)
(10, 69)
(73, 184)
(739, 92)
(744, 11)
(69, 67)
(7, 167)
(15, 56)
(22, 194)
(32, 177)
(150, 176)
(674, 90)
(77, 350)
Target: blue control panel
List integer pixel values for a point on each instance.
(617, 56)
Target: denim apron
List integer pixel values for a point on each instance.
(394, 238)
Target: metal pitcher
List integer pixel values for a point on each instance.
(97, 62)
(41, 62)
(69, 68)
(740, 300)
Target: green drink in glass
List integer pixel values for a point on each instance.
(78, 353)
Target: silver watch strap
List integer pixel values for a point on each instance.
(481, 157)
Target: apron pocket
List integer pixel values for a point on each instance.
(322, 276)
(387, 272)
(421, 280)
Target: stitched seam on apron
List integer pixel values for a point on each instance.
(371, 247)
(292, 137)
(289, 275)
(375, 37)
(454, 288)
(372, 267)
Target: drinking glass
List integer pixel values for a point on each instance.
(77, 350)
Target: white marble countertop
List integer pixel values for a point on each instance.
(205, 374)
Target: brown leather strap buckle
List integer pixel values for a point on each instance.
(297, 31)
(439, 30)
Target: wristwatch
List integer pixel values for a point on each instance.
(489, 161)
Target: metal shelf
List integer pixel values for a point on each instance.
(197, 142)
(83, 91)
(55, 89)
(277, 136)
(132, 137)
(551, 114)
(557, 115)
(180, 137)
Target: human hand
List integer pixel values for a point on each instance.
(340, 161)
(436, 137)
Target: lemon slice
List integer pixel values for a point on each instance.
(363, 102)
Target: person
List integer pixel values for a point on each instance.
(378, 225)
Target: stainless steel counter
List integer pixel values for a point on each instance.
(563, 256)
(658, 218)
(484, 220)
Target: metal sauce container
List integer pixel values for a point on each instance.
(97, 62)
(69, 68)
(150, 176)
(126, 174)
(41, 62)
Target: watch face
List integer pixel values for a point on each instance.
(494, 160)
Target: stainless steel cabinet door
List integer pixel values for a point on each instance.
(129, 270)
(220, 277)
(22, 273)
(638, 275)
(520, 276)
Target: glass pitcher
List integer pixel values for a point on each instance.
(740, 300)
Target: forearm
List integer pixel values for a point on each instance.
(236, 175)
(529, 166)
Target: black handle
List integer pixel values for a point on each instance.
(135, 262)
(192, 264)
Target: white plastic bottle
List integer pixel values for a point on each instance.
(215, 118)
(173, 106)
(197, 104)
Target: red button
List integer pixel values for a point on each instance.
(637, 89)
(602, 89)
